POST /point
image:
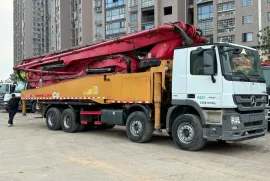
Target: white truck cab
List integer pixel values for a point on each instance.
(225, 84)
(18, 87)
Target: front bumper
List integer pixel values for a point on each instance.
(251, 126)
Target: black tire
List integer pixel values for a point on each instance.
(53, 119)
(191, 131)
(138, 128)
(69, 121)
(33, 107)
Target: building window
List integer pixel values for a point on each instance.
(133, 29)
(116, 27)
(147, 3)
(148, 26)
(99, 29)
(246, 3)
(228, 39)
(133, 3)
(206, 27)
(133, 17)
(205, 12)
(247, 19)
(247, 37)
(113, 3)
(268, 16)
(115, 14)
(167, 10)
(228, 6)
(226, 25)
(98, 16)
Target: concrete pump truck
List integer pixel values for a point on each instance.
(166, 78)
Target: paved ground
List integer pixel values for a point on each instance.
(29, 151)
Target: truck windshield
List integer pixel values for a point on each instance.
(4, 88)
(241, 66)
(19, 87)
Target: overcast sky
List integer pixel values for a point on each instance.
(6, 38)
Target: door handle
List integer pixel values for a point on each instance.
(191, 96)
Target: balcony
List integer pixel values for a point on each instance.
(148, 26)
(133, 4)
(190, 3)
(148, 3)
(98, 36)
(115, 4)
(203, 1)
(98, 22)
(148, 19)
(98, 6)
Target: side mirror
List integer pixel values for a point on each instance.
(209, 62)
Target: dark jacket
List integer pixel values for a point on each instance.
(13, 105)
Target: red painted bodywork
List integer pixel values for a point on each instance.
(160, 42)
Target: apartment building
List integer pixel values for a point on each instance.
(235, 21)
(30, 36)
(81, 22)
(118, 17)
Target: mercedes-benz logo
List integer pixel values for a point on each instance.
(253, 101)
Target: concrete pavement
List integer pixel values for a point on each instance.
(29, 151)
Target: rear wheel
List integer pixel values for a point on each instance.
(53, 119)
(69, 121)
(187, 132)
(139, 129)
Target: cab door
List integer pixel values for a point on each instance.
(204, 89)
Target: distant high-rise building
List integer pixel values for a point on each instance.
(30, 36)
(235, 21)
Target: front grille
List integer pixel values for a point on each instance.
(255, 123)
(250, 102)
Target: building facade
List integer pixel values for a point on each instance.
(235, 21)
(118, 17)
(42, 26)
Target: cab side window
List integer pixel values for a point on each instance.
(197, 64)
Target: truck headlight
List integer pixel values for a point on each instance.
(235, 120)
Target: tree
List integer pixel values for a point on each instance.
(13, 77)
(264, 41)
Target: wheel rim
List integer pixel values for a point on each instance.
(185, 133)
(51, 119)
(136, 127)
(67, 121)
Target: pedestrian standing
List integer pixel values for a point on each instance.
(13, 106)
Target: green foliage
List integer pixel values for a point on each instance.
(264, 41)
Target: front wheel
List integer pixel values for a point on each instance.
(139, 129)
(187, 132)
